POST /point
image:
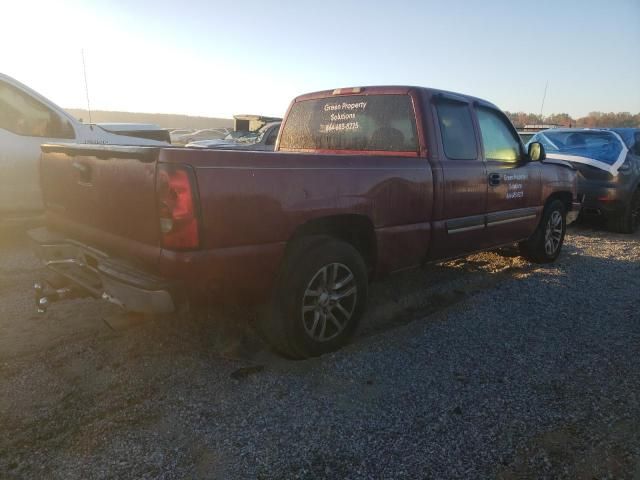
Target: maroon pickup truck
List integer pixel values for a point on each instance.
(363, 182)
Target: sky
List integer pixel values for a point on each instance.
(214, 58)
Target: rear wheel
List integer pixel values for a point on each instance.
(545, 244)
(629, 220)
(320, 299)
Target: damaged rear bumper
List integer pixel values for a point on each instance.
(96, 274)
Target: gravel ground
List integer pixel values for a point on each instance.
(476, 368)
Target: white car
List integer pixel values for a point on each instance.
(27, 120)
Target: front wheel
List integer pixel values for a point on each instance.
(546, 242)
(320, 299)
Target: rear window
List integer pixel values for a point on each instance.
(356, 122)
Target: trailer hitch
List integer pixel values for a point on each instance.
(45, 295)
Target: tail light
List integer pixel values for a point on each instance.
(177, 208)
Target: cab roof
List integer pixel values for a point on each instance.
(424, 92)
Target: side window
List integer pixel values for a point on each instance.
(456, 128)
(23, 115)
(497, 138)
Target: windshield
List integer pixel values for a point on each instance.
(248, 137)
(355, 122)
(525, 136)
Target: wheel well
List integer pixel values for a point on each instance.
(357, 230)
(564, 197)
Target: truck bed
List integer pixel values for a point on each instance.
(249, 205)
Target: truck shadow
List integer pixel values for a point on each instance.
(415, 295)
(399, 299)
(393, 302)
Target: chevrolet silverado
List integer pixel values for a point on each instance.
(363, 182)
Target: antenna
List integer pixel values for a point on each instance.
(86, 87)
(543, 98)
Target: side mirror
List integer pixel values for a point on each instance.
(536, 152)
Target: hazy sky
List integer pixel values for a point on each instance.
(217, 58)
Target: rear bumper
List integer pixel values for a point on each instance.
(102, 276)
(604, 198)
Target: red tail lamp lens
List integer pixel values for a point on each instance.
(177, 209)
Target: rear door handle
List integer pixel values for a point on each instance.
(494, 179)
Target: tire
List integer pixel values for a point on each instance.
(545, 244)
(319, 300)
(629, 220)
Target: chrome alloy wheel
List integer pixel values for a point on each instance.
(553, 233)
(329, 302)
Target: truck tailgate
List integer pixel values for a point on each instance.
(105, 196)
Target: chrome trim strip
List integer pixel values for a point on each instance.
(465, 229)
(510, 220)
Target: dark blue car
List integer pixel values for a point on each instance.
(608, 162)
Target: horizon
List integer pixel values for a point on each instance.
(224, 61)
(545, 115)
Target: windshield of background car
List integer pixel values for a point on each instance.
(603, 146)
(352, 123)
(525, 137)
(250, 137)
(257, 137)
(236, 134)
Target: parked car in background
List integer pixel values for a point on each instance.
(608, 161)
(263, 140)
(525, 136)
(203, 134)
(230, 138)
(364, 182)
(528, 131)
(27, 120)
(177, 133)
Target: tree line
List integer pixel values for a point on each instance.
(592, 120)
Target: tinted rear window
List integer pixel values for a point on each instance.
(355, 122)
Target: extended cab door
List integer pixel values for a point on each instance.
(514, 187)
(461, 180)
(25, 124)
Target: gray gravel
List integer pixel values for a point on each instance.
(487, 367)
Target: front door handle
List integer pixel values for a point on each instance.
(494, 179)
